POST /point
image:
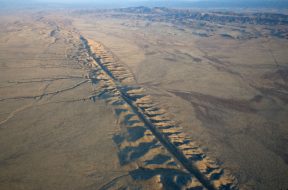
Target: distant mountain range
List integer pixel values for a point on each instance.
(221, 3)
(150, 3)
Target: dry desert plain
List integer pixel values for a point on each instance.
(143, 99)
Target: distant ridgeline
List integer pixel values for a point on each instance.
(206, 23)
(222, 3)
(262, 18)
(282, 4)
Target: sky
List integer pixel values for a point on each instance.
(164, 3)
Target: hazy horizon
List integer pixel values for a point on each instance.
(165, 3)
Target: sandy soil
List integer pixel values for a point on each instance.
(114, 103)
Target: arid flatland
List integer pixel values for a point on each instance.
(143, 98)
